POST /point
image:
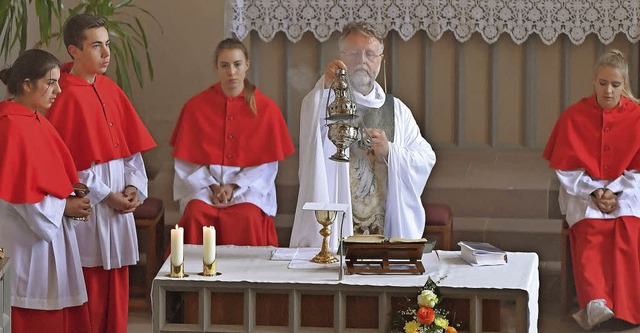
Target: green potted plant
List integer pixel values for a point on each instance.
(128, 37)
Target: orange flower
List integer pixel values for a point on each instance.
(451, 329)
(426, 315)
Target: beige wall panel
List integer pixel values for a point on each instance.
(620, 43)
(442, 130)
(409, 82)
(302, 75)
(328, 51)
(272, 69)
(547, 98)
(475, 90)
(182, 54)
(509, 104)
(582, 58)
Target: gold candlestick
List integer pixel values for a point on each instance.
(177, 271)
(325, 218)
(209, 269)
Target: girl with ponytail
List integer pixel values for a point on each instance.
(595, 150)
(227, 144)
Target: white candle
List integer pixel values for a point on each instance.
(209, 244)
(177, 240)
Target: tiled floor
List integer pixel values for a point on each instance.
(552, 320)
(139, 322)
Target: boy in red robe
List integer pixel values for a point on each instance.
(106, 138)
(227, 144)
(595, 149)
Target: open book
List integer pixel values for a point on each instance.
(482, 254)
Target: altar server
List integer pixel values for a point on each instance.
(106, 138)
(595, 149)
(227, 144)
(36, 180)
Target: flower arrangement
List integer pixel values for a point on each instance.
(424, 315)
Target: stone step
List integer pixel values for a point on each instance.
(498, 184)
(485, 183)
(518, 235)
(498, 203)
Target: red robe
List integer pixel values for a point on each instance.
(35, 161)
(99, 124)
(605, 252)
(221, 130)
(97, 121)
(603, 142)
(215, 129)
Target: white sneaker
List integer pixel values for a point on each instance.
(581, 318)
(598, 312)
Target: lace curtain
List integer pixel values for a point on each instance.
(490, 18)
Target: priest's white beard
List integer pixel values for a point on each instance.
(362, 79)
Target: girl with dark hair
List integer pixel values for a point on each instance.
(227, 144)
(37, 175)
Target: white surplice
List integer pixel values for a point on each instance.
(577, 204)
(410, 162)
(256, 184)
(109, 239)
(45, 263)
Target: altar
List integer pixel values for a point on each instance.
(256, 294)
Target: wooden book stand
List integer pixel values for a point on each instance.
(385, 257)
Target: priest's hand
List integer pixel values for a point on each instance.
(330, 72)
(119, 202)
(605, 199)
(379, 142)
(131, 193)
(77, 207)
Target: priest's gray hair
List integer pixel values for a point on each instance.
(363, 28)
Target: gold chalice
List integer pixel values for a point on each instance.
(81, 191)
(325, 218)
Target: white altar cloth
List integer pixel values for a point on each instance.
(252, 264)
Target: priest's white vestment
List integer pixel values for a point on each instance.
(410, 162)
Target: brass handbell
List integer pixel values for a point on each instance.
(342, 111)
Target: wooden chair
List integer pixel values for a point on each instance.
(439, 223)
(149, 219)
(567, 283)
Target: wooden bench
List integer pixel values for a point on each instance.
(149, 219)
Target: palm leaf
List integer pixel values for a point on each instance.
(127, 32)
(23, 22)
(121, 76)
(44, 13)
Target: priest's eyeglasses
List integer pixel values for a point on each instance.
(370, 55)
